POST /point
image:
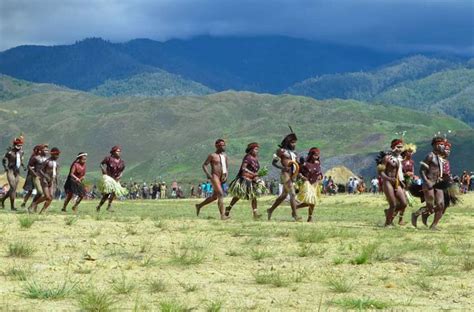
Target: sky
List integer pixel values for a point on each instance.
(402, 25)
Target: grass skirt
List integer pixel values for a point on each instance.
(308, 193)
(247, 189)
(107, 185)
(74, 187)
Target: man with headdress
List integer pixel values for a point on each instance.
(217, 176)
(47, 174)
(248, 184)
(310, 175)
(445, 184)
(12, 162)
(74, 183)
(389, 167)
(431, 172)
(112, 169)
(285, 160)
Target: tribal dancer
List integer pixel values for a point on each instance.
(29, 186)
(449, 189)
(408, 168)
(286, 156)
(48, 177)
(310, 174)
(389, 167)
(112, 169)
(12, 162)
(217, 176)
(248, 184)
(431, 172)
(73, 185)
(34, 165)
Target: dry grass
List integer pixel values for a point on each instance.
(157, 255)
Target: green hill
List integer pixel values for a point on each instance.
(366, 85)
(158, 83)
(170, 137)
(448, 91)
(11, 88)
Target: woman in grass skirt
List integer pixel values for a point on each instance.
(248, 184)
(112, 169)
(73, 185)
(309, 186)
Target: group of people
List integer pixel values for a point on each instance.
(399, 182)
(303, 174)
(42, 176)
(301, 179)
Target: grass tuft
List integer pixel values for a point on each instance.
(18, 274)
(70, 220)
(96, 300)
(214, 306)
(33, 290)
(173, 306)
(26, 221)
(365, 255)
(156, 286)
(339, 284)
(20, 250)
(122, 286)
(361, 304)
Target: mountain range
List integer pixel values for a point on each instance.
(166, 102)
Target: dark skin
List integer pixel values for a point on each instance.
(314, 158)
(110, 197)
(288, 187)
(247, 174)
(82, 160)
(217, 177)
(47, 182)
(33, 168)
(430, 174)
(12, 173)
(392, 187)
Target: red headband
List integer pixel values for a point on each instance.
(314, 150)
(18, 141)
(55, 151)
(116, 148)
(396, 142)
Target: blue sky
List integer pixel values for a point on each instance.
(435, 25)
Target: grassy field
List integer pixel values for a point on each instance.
(156, 255)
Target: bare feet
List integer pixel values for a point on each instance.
(414, 218)
(424, 218)
(310, 218)
(297, 218)
(227, 210)
(434, 228)
(198, 210)
(224, 217)
(256, 215)
(269, 214)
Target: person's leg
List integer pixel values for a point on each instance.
(392, 201)
(219, 193)
(13, 180)
(76, 204)
(102, 201)
(439, 208)
(310, 213)
(48, 198)
(25, 199)
(205, 202)
(255, 213)
(67, 200)
(39, 197)
(232, 203)
(111, 199)
(277, 203)
(401, 203)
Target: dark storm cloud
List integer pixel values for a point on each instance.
(445, 25)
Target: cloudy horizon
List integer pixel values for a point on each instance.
(396, 25)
